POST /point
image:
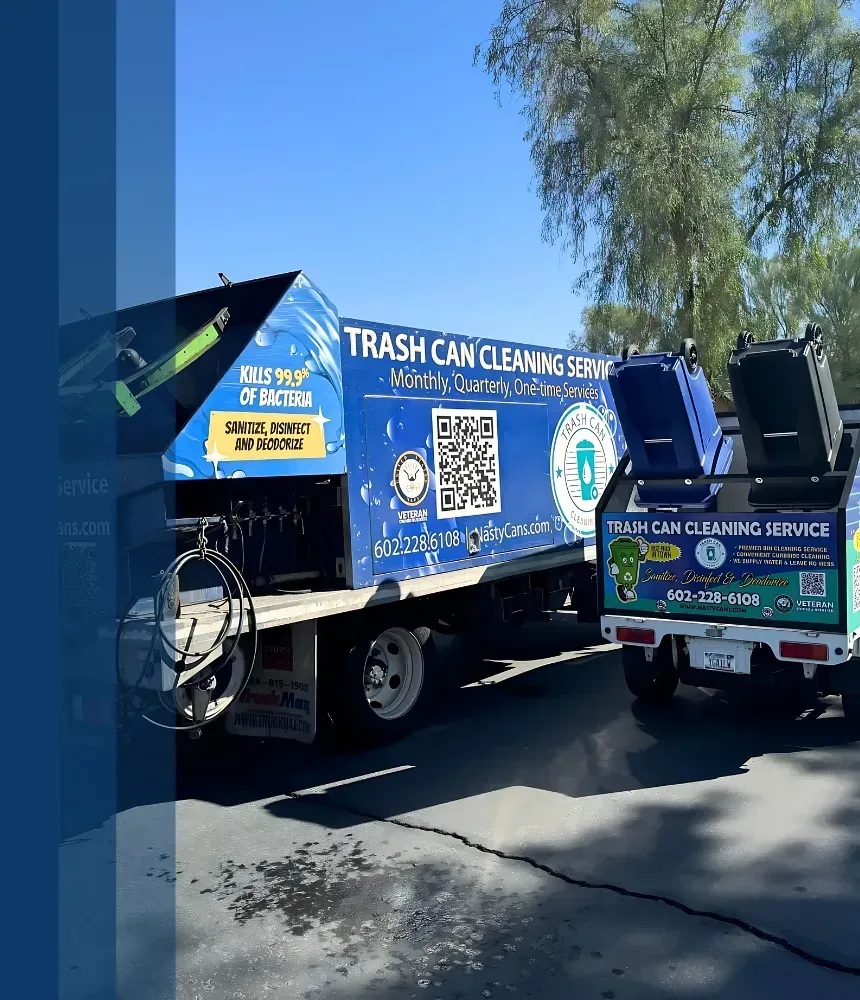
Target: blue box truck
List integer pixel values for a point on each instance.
(306, 500)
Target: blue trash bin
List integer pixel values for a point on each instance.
(671, 427)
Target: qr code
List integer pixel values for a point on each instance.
(812, 585)
(466, 456)
(856, 586)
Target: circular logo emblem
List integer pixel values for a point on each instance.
(582, 459)
(767, 612)
(661, 606)
(783, 604)
(710, 553)
(411, 478)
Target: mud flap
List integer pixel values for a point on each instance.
(281, 697)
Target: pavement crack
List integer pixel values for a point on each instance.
(618, 890)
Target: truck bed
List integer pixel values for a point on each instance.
(201, 622)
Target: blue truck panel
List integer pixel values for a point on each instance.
(278, 411)
(457, 451)
(463, 451)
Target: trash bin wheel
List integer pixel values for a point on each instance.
(690, 353)
(744, 340)
(629, 351)
(653, 682)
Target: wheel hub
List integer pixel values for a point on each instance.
(393, 673)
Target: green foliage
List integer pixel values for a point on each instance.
(608, 328)
(824, 288)
(683, 136)
(836, 307)
(778, 297)
(803, 143)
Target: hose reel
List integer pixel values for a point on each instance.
(194, 690)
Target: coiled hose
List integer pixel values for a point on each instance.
(237, 593)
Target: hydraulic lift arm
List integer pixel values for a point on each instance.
(79, 399)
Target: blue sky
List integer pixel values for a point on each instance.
(359, 143)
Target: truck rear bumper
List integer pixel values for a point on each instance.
(840, 646)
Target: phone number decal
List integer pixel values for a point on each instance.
(747, 600)
(424, 542)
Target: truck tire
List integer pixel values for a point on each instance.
(654, 682)
(382, 684)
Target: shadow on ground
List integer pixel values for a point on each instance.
(567, 726)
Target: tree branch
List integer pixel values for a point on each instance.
(769, 206)
(700, 72)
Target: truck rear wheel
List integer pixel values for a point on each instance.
(653, 682)
(382, 684)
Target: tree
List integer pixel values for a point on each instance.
(836, 307)
(823, 288)
(685, 136)
(608, 328)
(779, 297)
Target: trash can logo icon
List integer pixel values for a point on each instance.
(710, 553)
(585, 452)
(582, 458)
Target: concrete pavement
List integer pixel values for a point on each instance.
(544, 838)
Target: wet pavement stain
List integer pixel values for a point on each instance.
(420, 928)
(304, 889)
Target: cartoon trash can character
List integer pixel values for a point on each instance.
(625, 556)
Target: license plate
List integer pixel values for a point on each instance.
(720, 661)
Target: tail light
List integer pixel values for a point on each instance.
(642, 636)
(803, 650)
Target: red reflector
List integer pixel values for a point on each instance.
(645, 636)
(803, 650)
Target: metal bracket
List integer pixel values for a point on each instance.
(809, 671)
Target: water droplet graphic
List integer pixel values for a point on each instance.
(265, 336)
(587, 473)
(365, 494)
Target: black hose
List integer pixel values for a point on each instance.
(234, 619)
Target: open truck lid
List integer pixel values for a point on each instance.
(224, 350)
